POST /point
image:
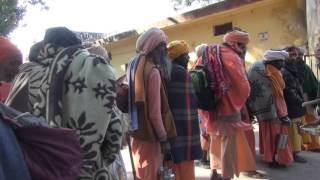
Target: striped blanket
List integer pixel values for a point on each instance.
(183, 105)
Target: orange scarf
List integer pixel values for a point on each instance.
(277, 81)
(139, 81)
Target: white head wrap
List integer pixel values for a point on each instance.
(271, 55)
(199, 49)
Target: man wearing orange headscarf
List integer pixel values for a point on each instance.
(229, 149)
(10, 59)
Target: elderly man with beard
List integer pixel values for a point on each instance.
(293, 94)
(267, 103)
(310, 85)
(229, 149)
(10, 59)
(151, 119)
(185, 148)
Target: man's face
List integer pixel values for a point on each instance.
(243, 48)
(160, 53)
(10, 68)
(293, 56)
(160, 57)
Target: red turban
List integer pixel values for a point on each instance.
(8, 50)
(237, 36)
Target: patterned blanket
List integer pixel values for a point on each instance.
(71, 88)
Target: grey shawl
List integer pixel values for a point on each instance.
(261, 100)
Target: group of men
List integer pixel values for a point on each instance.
(271, 91)
(163, 106)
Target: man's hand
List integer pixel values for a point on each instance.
(285, 121)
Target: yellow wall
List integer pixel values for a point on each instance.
(282, 19)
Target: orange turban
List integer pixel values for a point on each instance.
(8, 50)
(237, 36)
(177, 48)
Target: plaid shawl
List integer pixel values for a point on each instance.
(183, 105)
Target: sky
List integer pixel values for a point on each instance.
(103, 16)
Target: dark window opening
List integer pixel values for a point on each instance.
(222, 29)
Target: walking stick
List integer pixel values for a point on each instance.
(131, 158)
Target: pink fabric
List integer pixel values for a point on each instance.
(220, 84)
(4, 91)
(268, 133)
(231, 154)
(154, 102)
(237, 36)
(249, 133)
(147, 159)
(236, 97)
(285, 156)
(8, 50)
(150, 39)
(147, 155)
(221, 128)
(183, 171)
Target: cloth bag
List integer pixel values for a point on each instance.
(50, 153)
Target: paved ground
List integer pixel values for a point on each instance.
(308, 171)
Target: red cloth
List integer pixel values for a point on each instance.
(183, 171)
(237, 36)
(234, 99)
(4, 91)
(8, 50)
(268, 132)
(249, 133)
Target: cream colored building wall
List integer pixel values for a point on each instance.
(282, 20)
(122, 52)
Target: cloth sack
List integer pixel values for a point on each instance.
(50, 153)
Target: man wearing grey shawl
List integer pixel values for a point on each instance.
(267, 103)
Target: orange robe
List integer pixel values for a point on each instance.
(147, 155)
(269, 130)
(229, 149)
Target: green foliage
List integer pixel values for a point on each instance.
(11, 12)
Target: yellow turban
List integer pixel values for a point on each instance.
(177, 48)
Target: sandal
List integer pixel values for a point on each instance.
(216, 176)
(255, 175)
